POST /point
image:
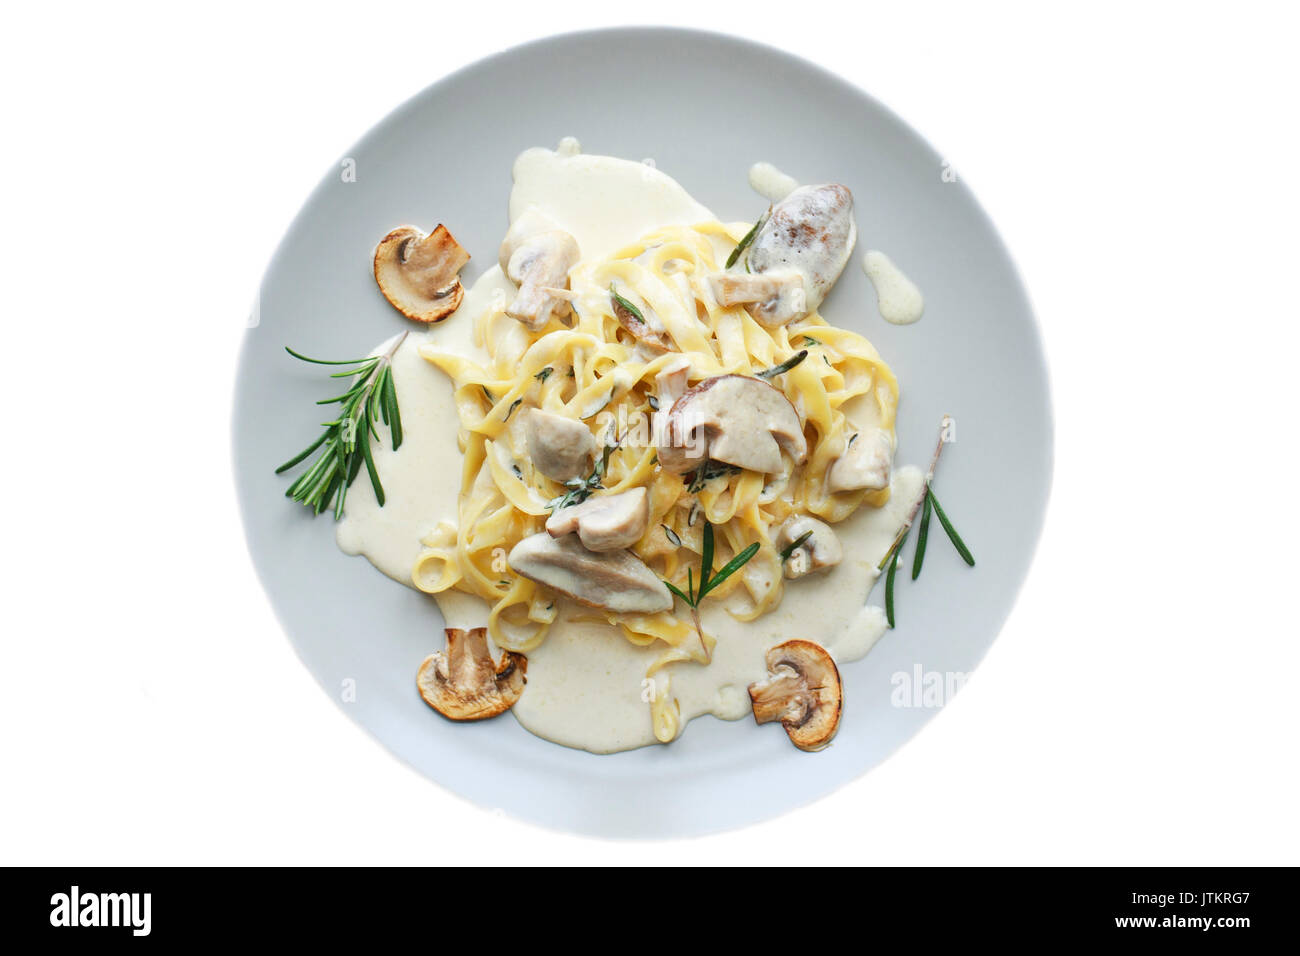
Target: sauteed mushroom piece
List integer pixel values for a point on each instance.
(560, 448)
(615, 580)
(537, 259)
(803, 692)
(419, 274)
(734, 419)
(605, 522)
(865, 463)
(817, 552)
(464, 683)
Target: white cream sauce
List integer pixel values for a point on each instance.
(586, 683)
(897, 296)
(770, 183)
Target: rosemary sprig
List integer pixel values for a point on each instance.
(953, 536)
(371, 398)
(747, 238)
(709, 581)
(922, 536)
(770, 373)
(925, 503)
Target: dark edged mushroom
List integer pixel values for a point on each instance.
(420, 274)
(803, 692)
(464, 683)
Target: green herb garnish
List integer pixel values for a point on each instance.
(926, 502)
(709, 581)
(619, 302)
(770, 373)
(793, 546)
(747, 238)
(371, 399)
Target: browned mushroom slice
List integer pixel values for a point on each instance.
(419, 274)
(773, 299)
(803, 692)
(606, 522)
(734, 419)
(615, 580)
(810, 231)
(464, 683)
(649, 329)
(537, 259)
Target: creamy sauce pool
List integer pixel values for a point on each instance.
(770, 183)
(897, 296)
(586, 683)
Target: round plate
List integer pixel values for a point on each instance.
(703, 107)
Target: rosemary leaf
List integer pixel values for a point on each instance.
(621, 303)
(313, 361)
(953, 536)
(747, 238)
(922, 535)
(706, 559)
(678, 591)
(303, 454)
(370, 469)
(793, 546)
(791, 362)
(732, 566)
(394, 416)
(889, 582)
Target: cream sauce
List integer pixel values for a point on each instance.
(897, 296)
(587, 685)
(770, 183)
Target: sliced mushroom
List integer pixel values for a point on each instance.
(671, 383)
(817, 552)
(615, 580)
(419, 274)
(647, 327)
(810, 234)
(560, 448)
(734, 419)
(803, 692)
(537, 259)
(772, 298)
(604, 523)
(464, 683)
(865, 463)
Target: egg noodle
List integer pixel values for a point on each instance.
(597, 372)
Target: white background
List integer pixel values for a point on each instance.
(1140, 705)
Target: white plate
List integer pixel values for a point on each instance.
(703, 107)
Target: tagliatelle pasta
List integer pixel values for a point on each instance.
(588, 367)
